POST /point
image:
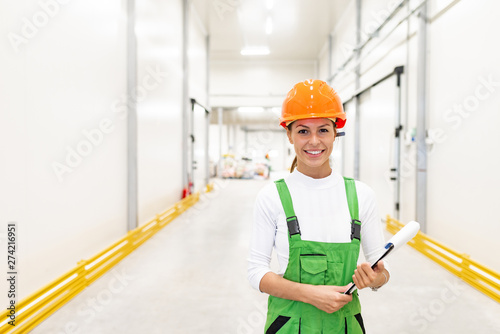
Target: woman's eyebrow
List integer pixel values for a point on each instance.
(319, 126)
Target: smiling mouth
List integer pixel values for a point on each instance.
(316, 152)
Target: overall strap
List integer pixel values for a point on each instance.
(291, 218)
(352, 201)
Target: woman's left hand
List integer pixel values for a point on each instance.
(364, 276)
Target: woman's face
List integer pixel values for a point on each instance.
(313, 142)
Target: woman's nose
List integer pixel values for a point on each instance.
(314, 140)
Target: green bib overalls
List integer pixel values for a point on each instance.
(318, 263)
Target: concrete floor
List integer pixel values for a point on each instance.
(191, 278)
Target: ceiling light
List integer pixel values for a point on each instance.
(255, 51)
(269, 26)
(269, 4)
(250, 109)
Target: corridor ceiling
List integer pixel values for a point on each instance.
(296, 29)
(292, 30)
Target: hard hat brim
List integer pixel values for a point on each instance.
(338, 121)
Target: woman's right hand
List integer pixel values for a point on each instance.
(327, 298)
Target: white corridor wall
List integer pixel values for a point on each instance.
(198, 90)
(62, 139)
(63, 126)
(159, 114)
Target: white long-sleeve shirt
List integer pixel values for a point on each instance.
(323, 214)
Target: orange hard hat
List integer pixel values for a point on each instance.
(312, 99)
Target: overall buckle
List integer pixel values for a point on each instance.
(355, 229)
(293, 225)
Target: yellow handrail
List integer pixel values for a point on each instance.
(35, 308)
(477, 275)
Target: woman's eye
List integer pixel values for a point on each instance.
(302, 131)
(323, 130)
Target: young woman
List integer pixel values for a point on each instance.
(316, 221)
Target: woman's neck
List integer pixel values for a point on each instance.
(315, 173)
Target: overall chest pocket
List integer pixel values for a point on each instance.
(313, 269)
